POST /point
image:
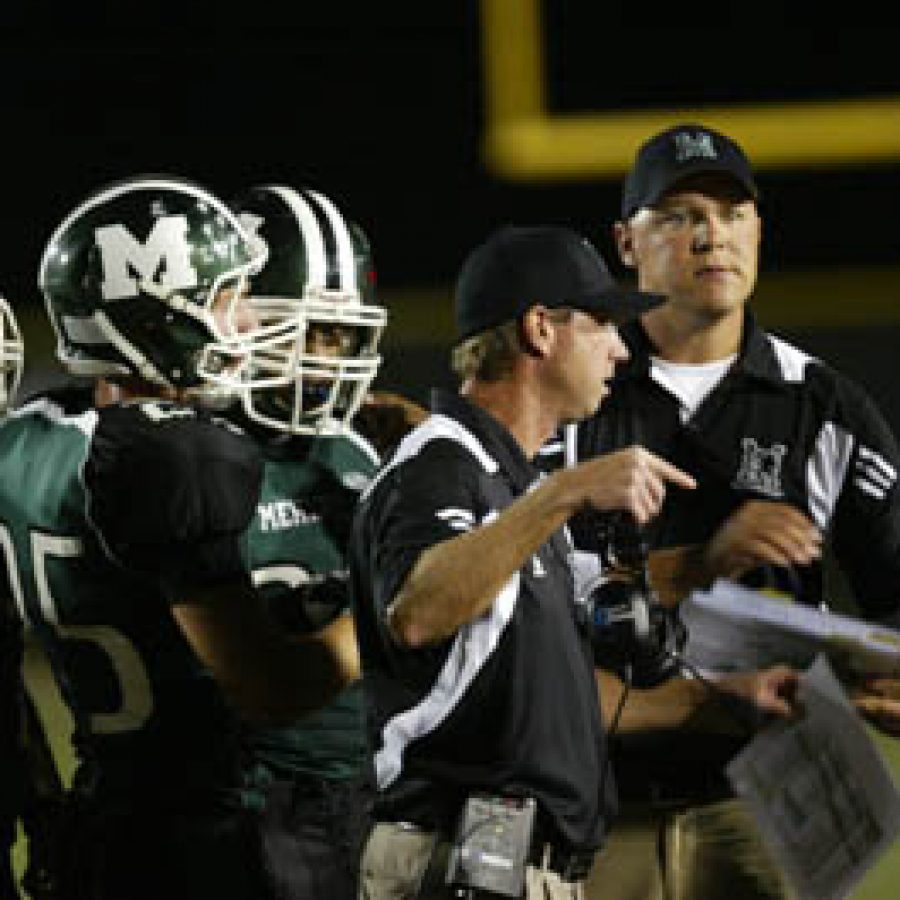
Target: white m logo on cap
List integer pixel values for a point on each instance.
(165, 258)
(691, 146)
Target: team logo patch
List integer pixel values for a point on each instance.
(760, 469)
(698, 145)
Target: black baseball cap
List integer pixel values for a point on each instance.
(520, 266)
(674, 154)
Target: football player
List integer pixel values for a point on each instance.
(122, 507)
(12, 355)
(310, 362)
(31, 789)
(14, 769)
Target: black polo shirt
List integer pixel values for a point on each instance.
(780, 425)
(508, 704)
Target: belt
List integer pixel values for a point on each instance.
(570, 865)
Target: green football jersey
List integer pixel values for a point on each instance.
(296, 550)
(148, 717)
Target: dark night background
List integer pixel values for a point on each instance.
(381, 107)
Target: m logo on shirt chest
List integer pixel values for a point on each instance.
(760, 468)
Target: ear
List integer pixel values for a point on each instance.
(536, 331)
(625, 243)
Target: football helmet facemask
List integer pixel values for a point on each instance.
(12, 355)
(131, 276)
(313, 349)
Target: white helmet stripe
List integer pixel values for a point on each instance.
(345, 259)
(316, 256)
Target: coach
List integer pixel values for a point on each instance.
(478, 674)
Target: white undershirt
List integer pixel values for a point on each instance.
(689, 382)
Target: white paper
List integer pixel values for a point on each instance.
(820, 792)
(733, 628)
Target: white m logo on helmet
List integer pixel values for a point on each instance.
(165, 258)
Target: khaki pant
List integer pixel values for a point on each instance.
(704, 852)
(396, 859)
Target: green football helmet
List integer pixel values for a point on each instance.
(12, 355)
(313, 349)
(130, 278)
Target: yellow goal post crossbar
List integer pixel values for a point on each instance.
(524, 142)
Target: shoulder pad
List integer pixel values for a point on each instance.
(72, 399)
(160, 474)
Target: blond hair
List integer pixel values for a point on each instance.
(489, 355)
